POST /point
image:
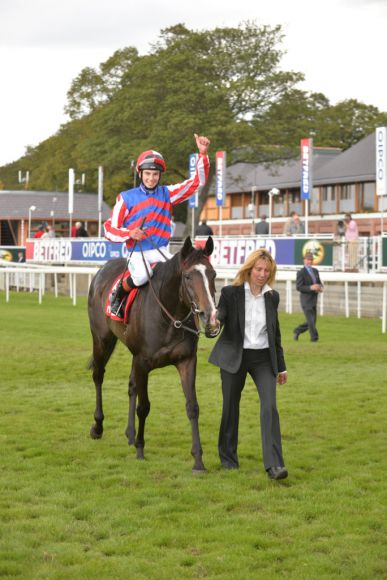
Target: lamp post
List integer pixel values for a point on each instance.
(30, 210)
(273, 191)
(54, 200)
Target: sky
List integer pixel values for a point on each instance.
(339, 46)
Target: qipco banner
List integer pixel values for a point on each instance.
(64, 250)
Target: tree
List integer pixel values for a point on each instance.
(92, 88)
(225, 83)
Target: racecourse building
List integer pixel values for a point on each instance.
(343, 182)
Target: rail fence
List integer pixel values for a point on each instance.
(345, 293)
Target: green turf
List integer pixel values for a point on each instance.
(72, 507)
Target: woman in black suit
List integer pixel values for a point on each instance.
(251, 343)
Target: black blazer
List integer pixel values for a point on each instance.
(227, 353)
(304, 281)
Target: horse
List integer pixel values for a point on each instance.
(163, 328)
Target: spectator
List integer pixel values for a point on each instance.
(340, 230)
(41, 231)
(262, 227)
(49, 233)
(81, 230)
(294, 225)
(203, 229)
(309, 286)
(352, 239)
(21, 256)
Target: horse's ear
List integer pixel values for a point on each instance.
(187, 248)
(209, 247)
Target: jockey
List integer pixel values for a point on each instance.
(143, 214)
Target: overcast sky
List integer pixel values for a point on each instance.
(339, 45)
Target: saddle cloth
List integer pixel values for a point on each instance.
(126, 303)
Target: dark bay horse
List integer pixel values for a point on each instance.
(162, 329)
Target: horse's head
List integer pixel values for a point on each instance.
(198, 284)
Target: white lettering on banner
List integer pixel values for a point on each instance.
(235, 252)
(305, 168)
(381, 161)
(219, 178)
(52, 250)
(94, 250)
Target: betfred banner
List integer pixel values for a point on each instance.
(230, 252)
(306, 168)
(220, 169)
(381, 161)
(193, 201)
(67, 250)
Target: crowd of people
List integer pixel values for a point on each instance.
(46, 230)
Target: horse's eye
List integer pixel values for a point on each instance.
(187, 276)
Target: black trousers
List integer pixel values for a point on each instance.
(257, 364)
(310, 324)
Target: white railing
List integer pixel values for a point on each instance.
(33, 278)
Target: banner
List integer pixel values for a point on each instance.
(227, 251)
(13, 253)
(193, 201)
(306, 168)
(285, 251)
(381, 161)
(220, 168)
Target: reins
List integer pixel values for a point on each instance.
(176, 323)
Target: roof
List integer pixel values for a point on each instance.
(358, 163)
(330, 166)
(281, 174)
(16, 204)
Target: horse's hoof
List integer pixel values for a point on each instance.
(131, 440)
(94, 434)
(196, 471)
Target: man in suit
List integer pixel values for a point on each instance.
(309, 286)
(251, 343)
(262, 227)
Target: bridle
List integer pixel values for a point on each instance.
(194, 310)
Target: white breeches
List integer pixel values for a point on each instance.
(136, 266)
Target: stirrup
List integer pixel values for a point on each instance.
(116, 301)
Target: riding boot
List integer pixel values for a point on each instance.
(118, 296)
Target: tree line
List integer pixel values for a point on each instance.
(226, 83)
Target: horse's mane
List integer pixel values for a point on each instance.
(165, 270)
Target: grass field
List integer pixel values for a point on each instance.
(76, 508)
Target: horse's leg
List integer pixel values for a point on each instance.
(102, 350)
(187, 371)
(132, 392)
(140, 376)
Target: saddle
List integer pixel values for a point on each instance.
(126, 303)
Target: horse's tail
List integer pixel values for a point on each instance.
(103, 355)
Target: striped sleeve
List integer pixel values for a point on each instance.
(114, 231)
(182, 191)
